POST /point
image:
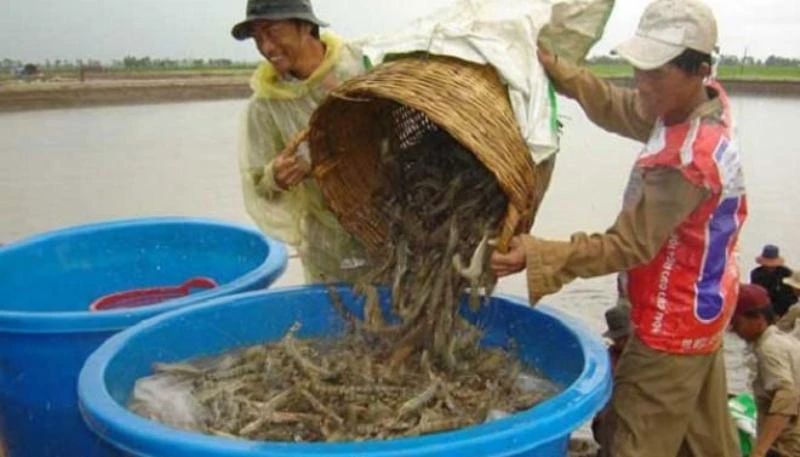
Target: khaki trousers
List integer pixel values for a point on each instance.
(670, 405)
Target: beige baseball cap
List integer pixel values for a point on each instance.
(667, 28)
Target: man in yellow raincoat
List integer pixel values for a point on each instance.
(280, 195)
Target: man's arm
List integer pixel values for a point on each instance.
(612, 108)
(265, 166)
(777, 375)
(276, 210)
(258, 150)
(771, 428)
(638, 234)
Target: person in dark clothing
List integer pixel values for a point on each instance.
(770, 275)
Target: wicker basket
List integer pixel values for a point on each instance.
(402, 101)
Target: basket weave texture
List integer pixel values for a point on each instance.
(394, 106)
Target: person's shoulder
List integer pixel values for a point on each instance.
(353, 56)
(758, 274)
(260, 112)
(256, 105)
(712, 139)
(344, 48)
(345, 57)
(353, 48)
(710, 125)
(788, 321)
(777, 344)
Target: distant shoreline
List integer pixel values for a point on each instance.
(36, 95)
(765, 87)
(18, 96)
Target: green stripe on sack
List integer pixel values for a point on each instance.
(551, 95)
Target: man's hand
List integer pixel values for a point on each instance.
(512, 261)
(546, 58)
(769, 431)
(288, 170)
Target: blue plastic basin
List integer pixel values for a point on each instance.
(46, 330)
(563, 348)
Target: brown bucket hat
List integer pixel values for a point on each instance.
(770, 256)
(274, 10)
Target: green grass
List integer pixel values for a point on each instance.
(612, 70)
(750, 72)
(760, 73)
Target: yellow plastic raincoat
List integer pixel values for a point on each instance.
(277, 111)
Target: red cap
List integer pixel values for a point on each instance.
(752, 297)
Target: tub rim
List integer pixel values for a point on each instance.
(69, 322)
(554, 419)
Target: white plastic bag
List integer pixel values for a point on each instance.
(168, 398)
(504, 33)
(527, 383)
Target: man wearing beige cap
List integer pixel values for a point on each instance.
(675, 236)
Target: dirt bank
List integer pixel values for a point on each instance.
(24, 96)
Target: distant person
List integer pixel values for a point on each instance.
(789, 322)
(776, 387)
(770, 275)
(622, 291)
(618, 331)
(301, 67)
(675, 236)
(618, 323)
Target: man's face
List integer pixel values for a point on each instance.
(666, 90)
(746, 328)
(281, 42)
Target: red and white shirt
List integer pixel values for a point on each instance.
(684, 298)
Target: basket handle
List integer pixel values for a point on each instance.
(509, 228)
(294, 143)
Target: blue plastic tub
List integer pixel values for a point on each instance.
(46, 330)
(563, 348)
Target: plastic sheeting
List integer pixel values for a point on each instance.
(504, 34)
(300, 217)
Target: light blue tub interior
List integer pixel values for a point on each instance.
(559, 346)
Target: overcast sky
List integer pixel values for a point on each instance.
(35, 30)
